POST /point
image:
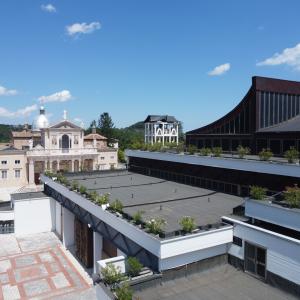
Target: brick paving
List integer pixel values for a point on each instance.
(36, 267)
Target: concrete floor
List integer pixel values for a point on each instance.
(221, 283)
(37, 266)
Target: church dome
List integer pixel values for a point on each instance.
(41, 121)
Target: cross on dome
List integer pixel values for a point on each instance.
(65, 115)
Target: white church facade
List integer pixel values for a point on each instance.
(58, 147)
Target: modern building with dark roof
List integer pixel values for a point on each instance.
(267, 117)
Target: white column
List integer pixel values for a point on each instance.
(57, 165)
(98, 245)
(31, 172)
(68, 228)
(72, 165)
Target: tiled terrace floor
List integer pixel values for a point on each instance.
(36, 267)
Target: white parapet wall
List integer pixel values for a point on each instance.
(283, 253)
(34, 215)
(7, 215)
(119, 262)
(272, 213)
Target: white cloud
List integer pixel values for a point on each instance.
(62, 96)
(22, 112)
(6, 92)
(219, 70)
(48, 8)
(82, 28)
(289, 56)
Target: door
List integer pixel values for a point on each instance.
(255, 260)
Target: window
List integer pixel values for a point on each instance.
(4, 162)
(4, 174)
(237, 241)
(17, 173)
(102, 158)
(112, 157)
(17, 161)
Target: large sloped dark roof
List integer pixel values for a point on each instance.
(162, 118)
(287, 126)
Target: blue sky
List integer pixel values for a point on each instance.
(191, 59)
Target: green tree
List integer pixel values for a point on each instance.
(106, 125)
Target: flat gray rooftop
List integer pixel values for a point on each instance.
(221, 283)
(160, 198)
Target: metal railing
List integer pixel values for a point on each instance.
(7, 227)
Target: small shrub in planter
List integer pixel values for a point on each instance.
(192, 149)
(93, 196)
(265, 154)
(134, 267)
(187, 224)
(116, 206)
(205, 151)
(124, 292)
(82, 190)
(179, 148)
(258, 192)
(112, 275)
(242, 151)
(74, 185)
(217, 151)
(137, 217)
(292, 196)
(155, 225)
(291, 155)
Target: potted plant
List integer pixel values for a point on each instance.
(116, 206)
(124, 292)
(192, 149)
(103, 200)
(93, 196)
(258, 192)
(217, 151)
(74, 185)
(187, 224)
(111, 275)
(205, 151)
(82, 190)
(292, 155)
(155, 225)
(242, 151)
(265, 154)
(137, 217)
(134, 267)
(292, 196)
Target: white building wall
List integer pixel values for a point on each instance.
(274, 214)
(34, 215)
(68, 228)
(190, 257)
(283, 253)
(98, 246)
(58, 215)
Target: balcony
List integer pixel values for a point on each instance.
(62, 152)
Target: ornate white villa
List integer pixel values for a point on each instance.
(61, 146)
(161, 129)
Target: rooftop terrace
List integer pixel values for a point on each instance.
(160, 198)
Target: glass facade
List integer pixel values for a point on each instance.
(275, 108)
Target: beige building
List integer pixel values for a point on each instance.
(58, 147)
(13, 171)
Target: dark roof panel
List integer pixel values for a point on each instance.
(161, 118)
